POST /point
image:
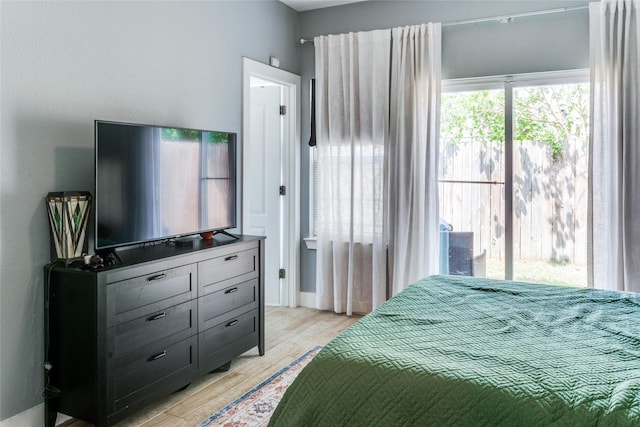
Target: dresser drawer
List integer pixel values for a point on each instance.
(177, 320)
(139, 296)
(223, 342)
(158, 363)
(225, 333)
(239, 266)
(227, 302)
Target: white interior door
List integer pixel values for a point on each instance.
(263, 151)
(266, 165)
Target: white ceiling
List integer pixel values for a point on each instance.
(304, 5)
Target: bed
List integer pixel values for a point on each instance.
(466, 351)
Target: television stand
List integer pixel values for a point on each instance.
(122, 335)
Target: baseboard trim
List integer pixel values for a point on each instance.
(307, 299)
(32, 417)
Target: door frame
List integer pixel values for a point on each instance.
(290, 167)
(508, 83)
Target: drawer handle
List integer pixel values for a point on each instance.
(232, 290)
(156, 277)
(233, 322)
(157, 356)
(156, 316)
(231, 257)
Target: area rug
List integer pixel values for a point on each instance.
(255, 407)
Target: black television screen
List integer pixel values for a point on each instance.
(156, 182)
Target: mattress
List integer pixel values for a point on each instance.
(467, 351)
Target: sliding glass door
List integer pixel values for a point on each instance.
(472, 183)
(513, 178)
(550, 175)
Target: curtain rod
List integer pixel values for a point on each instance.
(508, 18)
(502, 18)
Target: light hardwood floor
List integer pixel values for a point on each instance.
(290, 332)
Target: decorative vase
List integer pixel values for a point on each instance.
(207, 235)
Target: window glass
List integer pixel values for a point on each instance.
(519, 152)
(550, 176)
(471, 184)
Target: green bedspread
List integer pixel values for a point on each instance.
(473, 352)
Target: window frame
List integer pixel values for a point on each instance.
(508, 83)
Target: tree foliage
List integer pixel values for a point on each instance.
(476, 116)
(549, 114)
(172, 134)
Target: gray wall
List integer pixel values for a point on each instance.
(532, 44)
(64, 64)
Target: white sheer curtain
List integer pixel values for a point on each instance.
(614, 182)
(352, 110)
(413, 153)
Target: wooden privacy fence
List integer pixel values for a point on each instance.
(549, 201)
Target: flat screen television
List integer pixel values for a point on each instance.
(154, 182)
